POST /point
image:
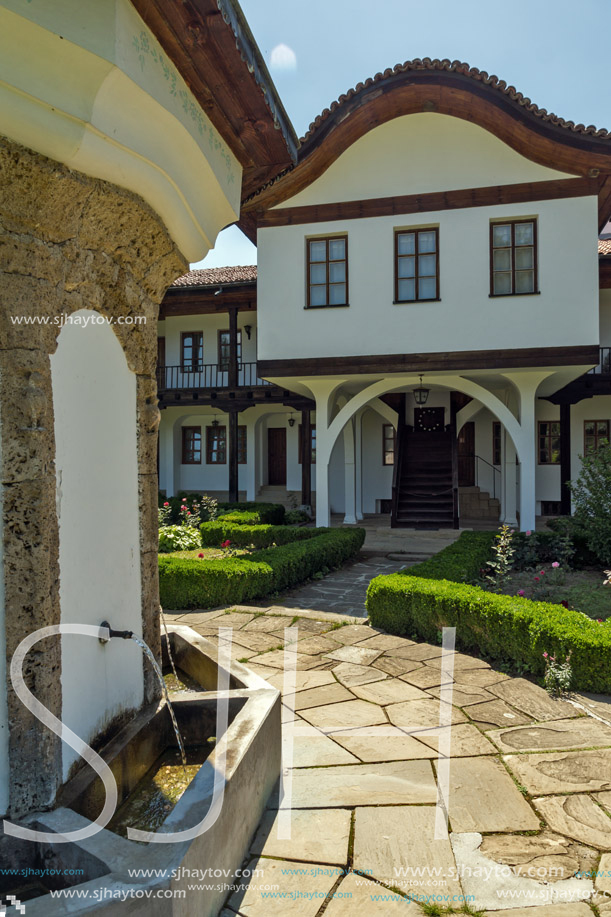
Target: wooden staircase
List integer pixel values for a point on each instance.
(425, 491)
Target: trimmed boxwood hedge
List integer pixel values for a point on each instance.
(421, 601)
(186, 583)
(268, 513)
(261, 536)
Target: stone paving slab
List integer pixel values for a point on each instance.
(583, 732)
(415, 715)
(462, 695)
(313, 645)
(278, 872)
(318, 697)
(548, 856)
(389, 691)
(603, 877)
(352, 675)
(480, 677)
(266, 623)
(304, 680)
(575, 909)
(393, 665)
(532, 700)
(562, 771)
(465, 740)
(317, 836)
(417, 652)
(394, 783)
(276, 658)
(318, 750)
(484, 798)
(578, 817)
(497, 713)
(426, 677)
(346, 715)
(604, 799)
(356, 655)
(383, 743)
(360, 901)
(353, 633)
(398, 844)
(382, 642)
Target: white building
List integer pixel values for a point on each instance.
(437, 224)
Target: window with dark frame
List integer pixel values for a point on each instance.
(224, 350)
(549, 442)
(327, 263)
(513, 258)
(192, 351)
(388, 444)
(595, 434)
(496, 442)
(416, 265)
(191, 445)
(216, 445)
(313, 441)
(242, 445)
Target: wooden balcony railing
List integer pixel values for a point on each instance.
(192, 377)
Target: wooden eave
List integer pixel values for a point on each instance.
(539, 137)
(193, 300)
(230, 83)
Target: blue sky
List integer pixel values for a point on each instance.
(554, 51)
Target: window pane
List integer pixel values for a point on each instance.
(407, 289)
(406, 267)
(555, 428)
(524, 258)
(427, 265)
(337, 271)
(389, 458)
(427, 241)
(603, 427)
(525, 281)
(502, 259)
(427, 288)
(318, 251)
(406, 243)
(501, 235)
(502, 283)
(318, 273)
(318, 296)
(524, 233)
(337, 294)
(589, 426)
(337, 249)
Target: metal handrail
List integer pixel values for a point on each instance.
(192, 376)
(494, 468)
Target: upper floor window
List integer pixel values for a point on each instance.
(191, 445)
(388, 444)
(327, 272)
(224, 350)
(416, 265)
(595, 434)
(496, 442)
(216, 445)
(513, 258)
(549, 442)
(192, 351)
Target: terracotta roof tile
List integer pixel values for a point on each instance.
(216, 276)
(604, 246)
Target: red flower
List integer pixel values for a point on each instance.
(536, 579)
(225, 544)
(564, 603)
(200, 555)
(542, 572)
(166, 503)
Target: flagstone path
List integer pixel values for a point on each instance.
(528, 779)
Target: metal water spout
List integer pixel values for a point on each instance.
(107, 633)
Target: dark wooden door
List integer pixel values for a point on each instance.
(429, 420)
(276, 455)
(466, 455)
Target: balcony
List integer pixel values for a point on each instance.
(604, 363)
(206, 377)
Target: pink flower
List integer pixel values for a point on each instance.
(225, 544)
(536, 579)
(555, 565)
(521, 592)
(200, 555)
(188, 513)
(600, 620)
(166, 503)
(542, 572)
(545, 655)
(529, 532)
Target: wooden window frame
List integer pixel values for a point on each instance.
(549, 436)
(513, 223)
(242, 444)
(417, 230)
(326, 240)
(313, 444)
(189, 451)
(210, 432)
(385, 438)
(596, 436)
(224, 367)
(497, 433)
(183, 362)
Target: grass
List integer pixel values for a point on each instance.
(582, 589)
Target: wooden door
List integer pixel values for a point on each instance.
(276, 456)
(466, 455)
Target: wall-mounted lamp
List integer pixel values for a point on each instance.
(248, 329)
(421, 394)
(291, 421)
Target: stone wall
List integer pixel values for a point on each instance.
(67, 242)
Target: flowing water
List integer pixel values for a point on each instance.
(151, 658)
(168, 644)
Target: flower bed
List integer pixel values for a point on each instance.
(185, 583)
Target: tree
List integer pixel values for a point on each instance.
(592, 497)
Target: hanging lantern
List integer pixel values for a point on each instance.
(291, 421)
(421, 394)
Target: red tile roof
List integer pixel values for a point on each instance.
(217, 276)
(604, 246)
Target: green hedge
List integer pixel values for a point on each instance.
(461, 561)
(236, 518)
(261, 536)
(497, 626)
(186, 583)
(267, 513)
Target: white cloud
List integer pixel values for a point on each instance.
(283, 58)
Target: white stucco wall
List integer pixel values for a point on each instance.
(209, 325)
(420, 153)
(377, 478)
(4, 724)
(465, 318)
(94, 400)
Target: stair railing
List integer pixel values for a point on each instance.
(495, 476)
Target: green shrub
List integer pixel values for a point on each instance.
(178, 538)
(186, 583)
(497, 626)
(295, 517)
(540, 548)
(462, 561)
(205, 505)
(236, 518)
(591, 494)
(260, 536)
(572, 529)
(268, 513)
